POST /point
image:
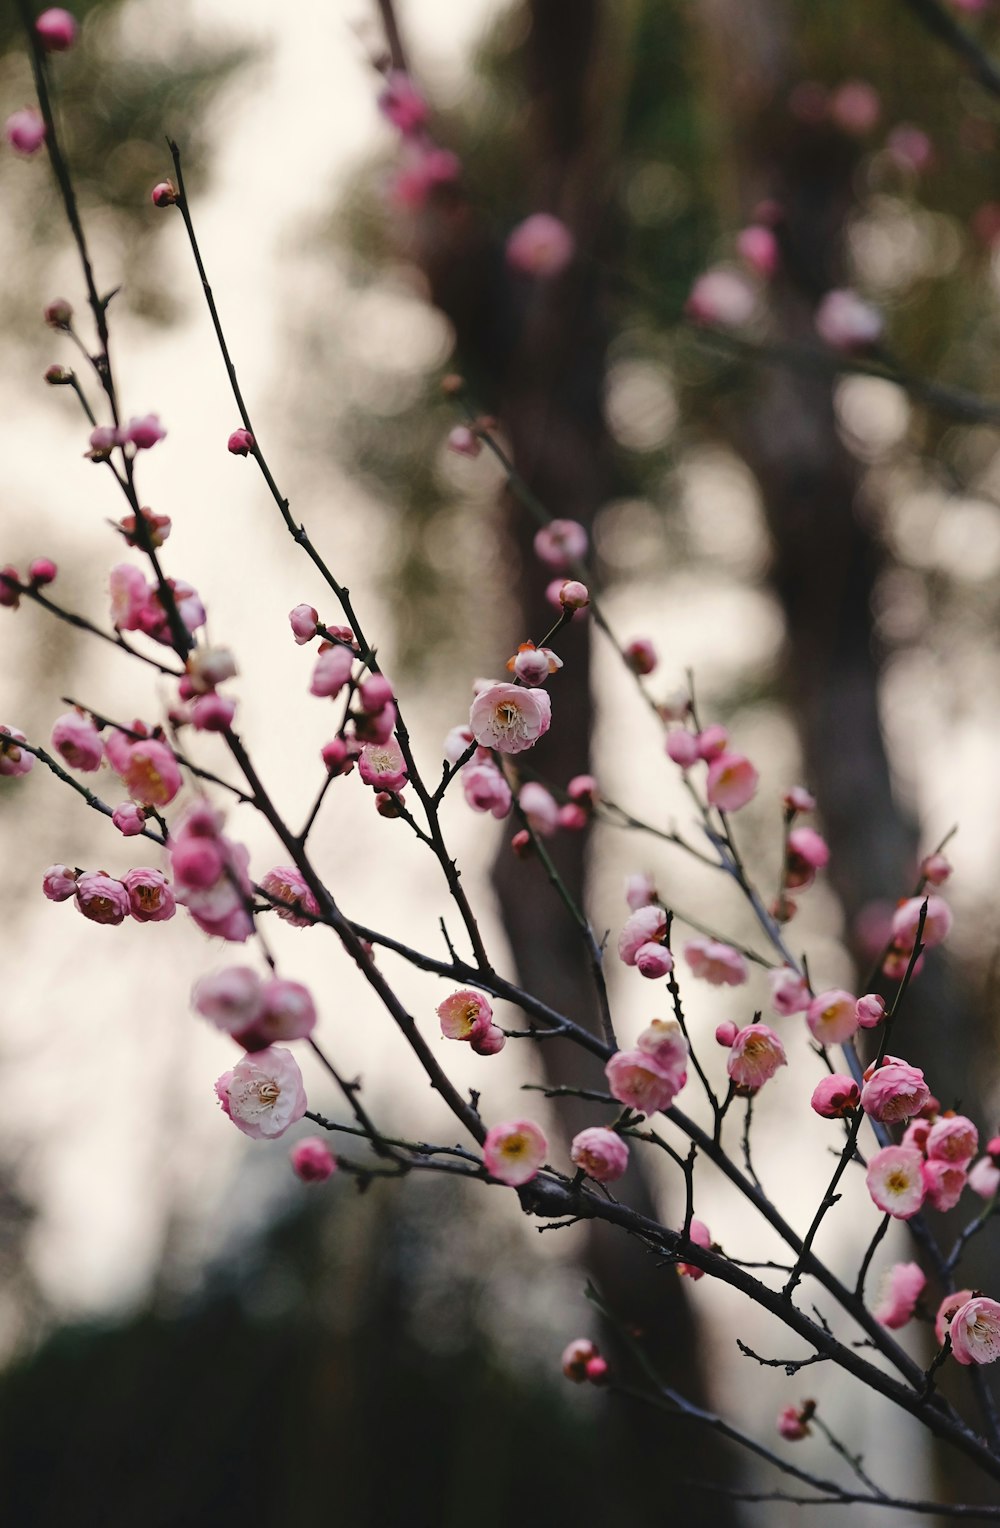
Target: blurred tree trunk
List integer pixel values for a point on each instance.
(541, 347)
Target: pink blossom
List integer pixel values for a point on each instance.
(514, 1151)
(916, 1134)
(895, 1181)
(510, 718)
(376, 726)
(561, 543)
(583, 789)
(906, 920)
(288, 885)
(150, 773)
(10, 593)
(486, 790)
(383, 766)
(144, 432)
(640, 890)
(78, 741)
(402, 103)
(465, 1015)
(337, 756)
(832, 1016)
(712, 742)
(312, 1160)
(213, 713)
(836, 1097)
(303, 621)
(221, 1089)
(984, 1177)
(241, 443)
(59, 883)
(789, 991)
(601, 1153)
(490, 1042)
(197, 863)
(42, 571)
(265, 1093)
(901, 1288)
(129, 593)
(716, 963)
(870, 1010)
(153, 617)
(640, 655)
(725, 1033)
(374, 693)
(949, 1305)
(935, 869)
(288, 1013)
(230, 999)
(721, 296)
(540, 246)
(25, 131)
(425, 169)
(944, 1182)
(531, 666)
(464, 442)
(219, 906)
(56, 30)
(846, 322)
(208, 667)
(102, 899)
(807, 852)
(792, 1425)
(894, 1091)
(575, 1358)
(798, 799)
(732, 782)
(975, 1331)
(332, 671)
(646, 924)
(855, 106)
(14, 760)
(682, 747)
(638, 1079)
(758, 246)
(700, 1236)
(653, 961)
(953, 1138)
(910, 147)
(755, 1056)
(539, 807)
(663, 1039)
(573, 595)
(150, 895)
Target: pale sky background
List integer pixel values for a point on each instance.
(108, 1076)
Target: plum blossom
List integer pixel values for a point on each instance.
(906, 921)
(647, 924)
(640, 655)
(102, 899)
(230, 999)
(287, 885)
(514, 1151)
(732, 782)
(540, 246)
(793, 1424)
(465, 1015)
(640, 890)
(832, 1017)
(509, 718)
(151, 899)
(78, 741)
(789, 991)
(900, 1290)
(639, 1079)
(896, 1182)
(303, 620)
(870, 1010)
(14, 760)
(975, 1331)
(755, 1056)
(241, 443)
(264, 1093)
(575, 1358)
(539, 807)
(210, 875)
(944, 1182)
(949, 1305)
(59, 883)
(25, 131)
(984, 1177)
(402, 104)
(149, 772)
(312, 1160)
(682, 747)
(129, 819)
(561, 543)
(836, 1096)
(383, 766)
(894, 1091)
(700, 1236)
(721, 296)
(716, 963)
(601, 1153)
(332, 671)
(758, 246)
(56, 30)
(485, 788)
(144, 432)
(653, 961)
(953, 1138)
(846, 322)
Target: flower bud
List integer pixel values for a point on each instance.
(42, 571)
(58, 376)
(164, 194)
(241, 443)
(56, 30)
(58, 314)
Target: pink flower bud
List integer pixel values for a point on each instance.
(944, 1182)
(601, 1153)
(807, 852)
(10, 594)
(732, 782)
(288, 1013)
(721, 296)
(230, 999)
(716, 963)
(57, 376)
(638, 1079)
(336, 757)
(240, 443)
(640, 655)
(150, 898)
(14, 760)
(789, 991)
(375, 693)
(855, 106)
(531, 666)
(953, 1138)
(164, 194)
(25, 131)
(935, 869)
(312, 1160)
(144, 432)
(489, 1043)
(832, 1017)
(58, 313)
(541, 246)
(521, 844)
(836, 1097)
(573, 595)
(572, 817)
(682, 747)
(906, 921)
(895, 1181)
(561, 543)
(576, 1356)
(303, 621)
(755, 1056)
(486, 790)
(712, 742)
(128, 819)
(846, 322)
(213, 713)
(103, 438)
(41, 572)
(77, 740)
(464, 442)
(798, 799)
(759, 248)
(196, 862)
(332, 671)
(539, 807)
(59, 883)
(653, 961)
(388, 805)
(402, 103)
(901, 1288)
(984, 1178)
(647, 923)
(870, 1010)
(895, 1091)
(514, 1151)
(700, 1236)
(725, 1033)
(102, 899)
(791, 1425)
(598, 1370)
(56, 30)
